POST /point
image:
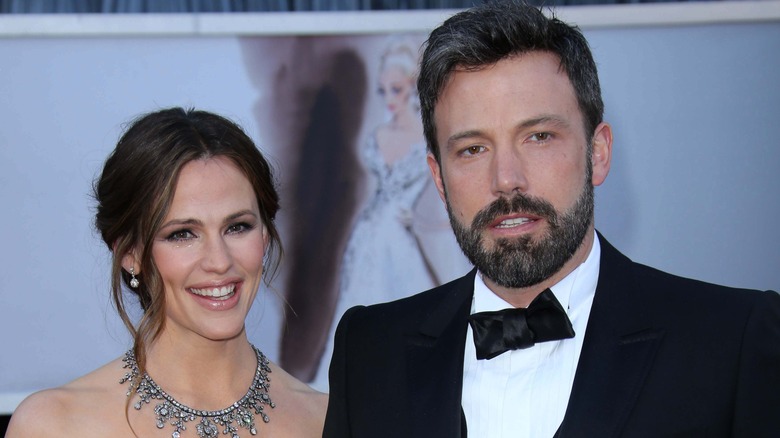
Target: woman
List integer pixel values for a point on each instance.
(384, 259)
(186, 204)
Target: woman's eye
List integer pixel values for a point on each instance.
(239, 228)
(180, 235)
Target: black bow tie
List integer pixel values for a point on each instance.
(513, 329)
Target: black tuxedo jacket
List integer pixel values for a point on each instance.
(663, 356)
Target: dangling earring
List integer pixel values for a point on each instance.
(134, 283)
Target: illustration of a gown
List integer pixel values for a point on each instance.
(383, 260)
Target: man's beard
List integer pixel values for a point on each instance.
(521, 262)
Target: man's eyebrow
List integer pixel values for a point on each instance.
(545, 119)
(458, 136)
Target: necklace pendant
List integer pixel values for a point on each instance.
(207, 429)
(244, 419)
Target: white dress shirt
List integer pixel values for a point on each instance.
(524, 393)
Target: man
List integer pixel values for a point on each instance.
(596, 345)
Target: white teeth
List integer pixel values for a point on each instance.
(223, 292)
(509, 223)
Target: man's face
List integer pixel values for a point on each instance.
(515, 171)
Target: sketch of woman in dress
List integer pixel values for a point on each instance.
(363, 221)
(384, 258)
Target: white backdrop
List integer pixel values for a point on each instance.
(694, 186)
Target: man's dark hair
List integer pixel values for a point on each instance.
(494, 31)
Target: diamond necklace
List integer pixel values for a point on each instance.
(238, 415)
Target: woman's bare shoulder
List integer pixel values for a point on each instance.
(299, 408)
(66, 410)
(40, 414)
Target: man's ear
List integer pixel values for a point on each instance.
(433, 165)
(602, 153)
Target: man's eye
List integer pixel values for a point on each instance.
(473, 150)
(541, 136)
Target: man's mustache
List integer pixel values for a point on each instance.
(519, 203)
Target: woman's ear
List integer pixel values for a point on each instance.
(130, 262)
(129, 259)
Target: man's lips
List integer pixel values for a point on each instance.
(505, 222)
(518, 212)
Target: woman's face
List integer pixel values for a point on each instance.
(395, 86)
(209, 251)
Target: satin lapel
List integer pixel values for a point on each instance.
(618, 351)
(435, 361)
